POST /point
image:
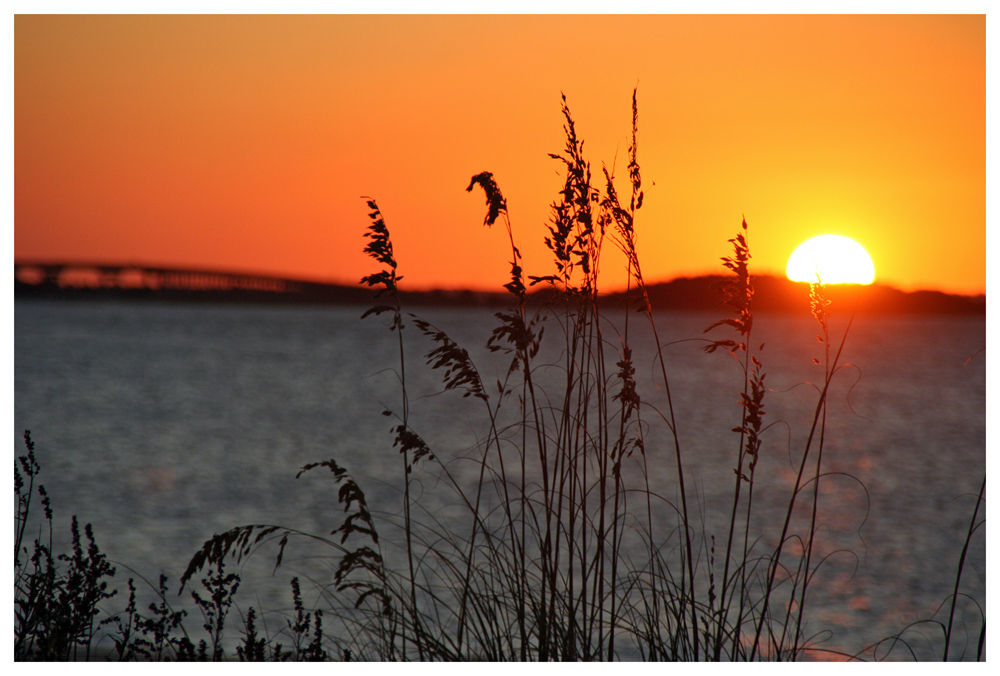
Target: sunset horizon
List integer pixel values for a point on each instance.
(249, 143)
(500, 338)
(80, 268)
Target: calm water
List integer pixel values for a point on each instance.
(164, 424)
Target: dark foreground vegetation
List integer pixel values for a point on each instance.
(565, 546)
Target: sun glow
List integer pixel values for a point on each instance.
(831, 259)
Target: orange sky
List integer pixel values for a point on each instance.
(245, 143)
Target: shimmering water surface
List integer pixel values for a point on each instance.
(164, 424)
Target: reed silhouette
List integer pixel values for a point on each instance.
(566, 545)
(542, 565)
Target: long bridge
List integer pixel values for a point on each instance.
(83, 275)
(83, 279)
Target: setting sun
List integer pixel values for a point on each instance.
(831, 259)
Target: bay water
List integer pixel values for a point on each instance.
(164, 424)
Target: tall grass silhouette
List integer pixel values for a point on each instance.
(565, 544)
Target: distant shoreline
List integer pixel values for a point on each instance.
(772, 294)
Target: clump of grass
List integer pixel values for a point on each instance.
(56, 606)
(55, 610)
(544, 567)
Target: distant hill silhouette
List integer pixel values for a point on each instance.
(772, 294)
(778, 294)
